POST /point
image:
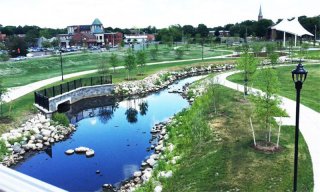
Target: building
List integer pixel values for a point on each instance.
(139, 38)
(113, 39)
(2, 37)
(260, 16)
(88, 35)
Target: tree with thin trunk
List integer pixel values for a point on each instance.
(179, 53)
(103, 68)
(129, 62)
(248, 64)
(273, 58)
(266, 104)
(113, 60)
(154, 53)
(3, 91)
(256, 48)
(141, 60)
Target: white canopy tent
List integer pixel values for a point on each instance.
(292, 27)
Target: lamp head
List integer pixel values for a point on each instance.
(299, 73)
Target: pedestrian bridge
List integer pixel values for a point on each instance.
(51, 99)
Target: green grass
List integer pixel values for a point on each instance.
(310, 93)
(210, 164)
(22, 108)
(314, 54)
(28, 71)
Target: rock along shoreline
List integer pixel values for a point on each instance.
(39, 133)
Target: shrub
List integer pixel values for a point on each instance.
(61, 119)
(3, 149)
(4, 57)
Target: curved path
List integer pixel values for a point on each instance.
(16, 92)
(309, 123)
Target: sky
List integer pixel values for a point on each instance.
(142, 13)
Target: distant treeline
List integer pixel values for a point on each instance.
(174, 32)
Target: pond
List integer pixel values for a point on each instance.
(118, 132)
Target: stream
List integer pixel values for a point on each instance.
(118, 132)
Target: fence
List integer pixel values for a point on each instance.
(41, 97)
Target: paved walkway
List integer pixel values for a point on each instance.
(309, 124)
(16, 92)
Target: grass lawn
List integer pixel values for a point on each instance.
(28, 71)
(310, 93)
(217, 154)
(311, 54)
(21, 108)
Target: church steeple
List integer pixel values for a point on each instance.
(260, 14)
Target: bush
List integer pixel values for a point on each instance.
(3, 149)
(4, 57)
(179, 53)
(61, 119)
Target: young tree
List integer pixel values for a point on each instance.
(248, 64)
(129, 62)
(103, 68)
(270, 48)
(141, 60)
(179, 53)
(154, 53)
(3, 90)
(256, 48)
(55, 43)
(266, 104)
(46, 44)
(274, 58)
(304, 49)
(113, 60)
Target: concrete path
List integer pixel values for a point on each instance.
(16, 92)
(309, 123)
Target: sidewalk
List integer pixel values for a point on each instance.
(309, 124)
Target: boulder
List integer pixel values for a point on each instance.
(165, 174)
(69, 152)
(154, 156)
(107, 186)
(90, 153)
(137, 173)
(45, 132)
(17, 148)
(81, 149)
(39, 145)
(151, 162)
(158, 188)
(146, 176)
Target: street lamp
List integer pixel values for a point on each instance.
(299, 75)
(61, 64)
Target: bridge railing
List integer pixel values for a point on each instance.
(41, 97)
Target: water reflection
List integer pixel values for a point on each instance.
(143, 108)
(103, 107)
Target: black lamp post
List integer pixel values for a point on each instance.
(61, 64)
(299, 75)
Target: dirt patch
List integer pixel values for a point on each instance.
(267, 147)
(217, 123)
